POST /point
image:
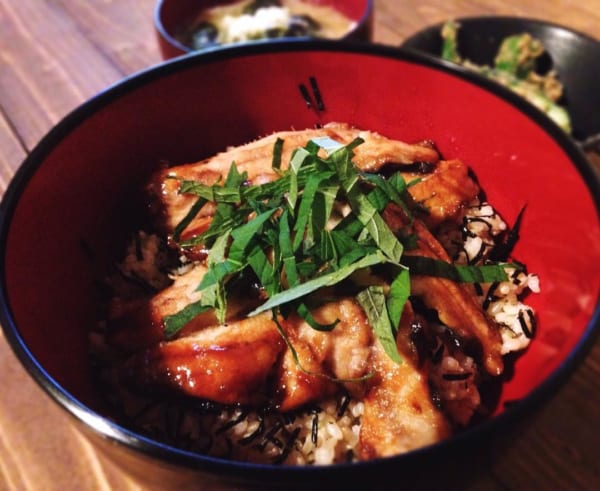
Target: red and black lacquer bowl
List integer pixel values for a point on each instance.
(173, 17)
(66, 214)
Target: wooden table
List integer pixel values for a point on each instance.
(54, 54)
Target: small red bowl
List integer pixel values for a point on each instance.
(171, 16)
(65, 215)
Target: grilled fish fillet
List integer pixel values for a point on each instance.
(399, 414)
(198, 362)
(456, 304)
(256, 158)
(229, 363)
(139, 323)
(341, 354)
(444, 192)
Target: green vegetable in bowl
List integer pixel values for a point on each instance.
(515, 66)
(449, 46)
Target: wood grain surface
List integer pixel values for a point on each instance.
(54, 55)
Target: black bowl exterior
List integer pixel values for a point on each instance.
(573, 55)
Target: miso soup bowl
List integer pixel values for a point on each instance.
(173, 17)
(66, 215)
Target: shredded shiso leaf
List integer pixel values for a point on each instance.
(287, 235)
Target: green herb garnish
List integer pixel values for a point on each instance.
(290, 235)
(487, 273)
(372, 300)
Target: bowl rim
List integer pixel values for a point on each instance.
(259, 472)
(166, 35)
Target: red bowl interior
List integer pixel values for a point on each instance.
(172, 15)
(68, 210)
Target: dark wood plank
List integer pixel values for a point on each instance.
(11, 154)
(558, 447)
(122, 30)
(40, 447)
(48, 66)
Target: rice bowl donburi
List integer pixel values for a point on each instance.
(313, 297)
(80, 190)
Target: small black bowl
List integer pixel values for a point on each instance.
(574, 56)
